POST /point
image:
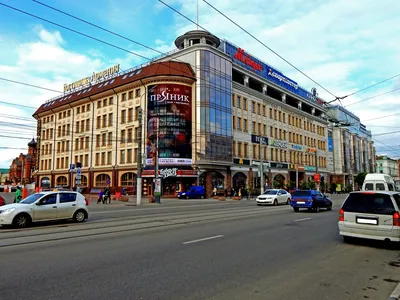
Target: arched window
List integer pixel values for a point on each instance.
(62, 181)
(101, 180)
(128, 179)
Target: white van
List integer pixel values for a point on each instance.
(378, 182)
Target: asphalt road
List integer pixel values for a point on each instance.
(236, 251)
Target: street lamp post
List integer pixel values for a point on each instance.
(157, 186)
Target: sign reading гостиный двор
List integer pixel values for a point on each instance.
(91, 79)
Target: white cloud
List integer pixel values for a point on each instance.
(41, 61)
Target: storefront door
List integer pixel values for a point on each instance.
(170, 187)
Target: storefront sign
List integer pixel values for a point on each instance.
(296, 147)
(169, 112)
(91, 79)
(278, 143)
(258, 138)
(171, 172)
(279, 165)
(251, 63)
(241, 161)
(170, 161)
(164, 173)
(243, 57)
(310, 168)
(311, 150)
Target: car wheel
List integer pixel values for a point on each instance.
(187, 197)
(202, 197)
(22, 220)
(258, 204)
(79, 216)
(288, 201)
(275, 202)
(317, 209)
(296, 209)
(329, 207)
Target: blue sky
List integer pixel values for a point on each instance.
(343, 45)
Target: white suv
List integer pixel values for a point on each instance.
(371, 215)
(45, 206)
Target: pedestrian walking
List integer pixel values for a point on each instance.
(107, 195)
(18, 195)
(101, 196)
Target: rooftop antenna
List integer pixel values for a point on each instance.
(197, 18)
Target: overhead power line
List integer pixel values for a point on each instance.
(373, 85)
(30, 85)
(16, 104)
(373, 97)
(270, 49)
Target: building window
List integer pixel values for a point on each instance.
(245, 128)
(253, 128)
(101, 180)
(123, 116)
(122, 136)
(98, 121)
(130, 95)
(87, 142)
(110, 101)
(104, 102)
(86, 160)
(103, 158)
(130, 115)
(98, 140)
(103, 139)
(104, 122)
(110, 119)
(239, 148)
(109, 157)
(238, 101)
(253, 107)
(128, 179)
(239, 121)
(136, 112)
(244, 103)
(87, 125)
(99, 104)
(97, 159)
(110, 138)
(123, 97)
(246, 150)
(129, 156)
(122, 157)
(130, 135)
(137, 93)
(135, 155)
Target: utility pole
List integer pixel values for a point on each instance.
(157, 188)
(139, 158)
(316, 166)
(261, 168)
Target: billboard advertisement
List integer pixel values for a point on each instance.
(169, 112)
(330, 144)
(251, 63)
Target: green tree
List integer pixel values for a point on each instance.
(311, 185)
(359, 179)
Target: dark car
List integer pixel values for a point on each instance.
(310, 199)
(193, 192)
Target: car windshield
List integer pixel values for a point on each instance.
(32, 198)
(302, 194)
(270, 192)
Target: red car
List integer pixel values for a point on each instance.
(2, 201)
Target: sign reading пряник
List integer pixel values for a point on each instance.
(91, 79)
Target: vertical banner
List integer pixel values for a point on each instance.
(169, 111)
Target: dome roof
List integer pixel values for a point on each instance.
(32, 143)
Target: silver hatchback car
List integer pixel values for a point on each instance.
(45, 206)
(371, 215)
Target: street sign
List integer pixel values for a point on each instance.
(77, 182)
(71, 166)
(78, 171)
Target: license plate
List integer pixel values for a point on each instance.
(301, 202)
(370, 221)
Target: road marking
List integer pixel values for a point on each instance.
(204, 239)
(300, 220)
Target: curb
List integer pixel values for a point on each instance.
(395, 294)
